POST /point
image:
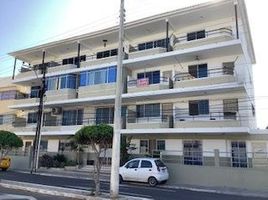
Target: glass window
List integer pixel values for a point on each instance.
(105, 115)
(198, 71)
(192, 152)
(152, 44)
(199, 107)
(159, 163)
(154, 76)
(196, 35)
(160, 145)
(35, 91)
(239, 154)
(112, 75)
(83, 78)
(144, 146)
(52, 83)
(146, 164)
(8, 95)
(32, 118)
(141, 46)
(100, 76)
(114, 52)
(72, 117)
(148, 110)
(43, 145)
(133, 164)
(68, 81)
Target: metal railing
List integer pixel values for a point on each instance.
(134, 83)
(211, 116)
(219, 31)
(216, 158)
(210, 73)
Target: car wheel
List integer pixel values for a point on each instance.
(120, 179)
(152, 181)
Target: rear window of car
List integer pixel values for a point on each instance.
(159, 163)
(146, 164)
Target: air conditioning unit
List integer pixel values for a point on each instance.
(56, 111)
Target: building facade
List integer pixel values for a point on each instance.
(187, 83)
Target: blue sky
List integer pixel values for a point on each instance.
(26, 23)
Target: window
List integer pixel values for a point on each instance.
(105, 115)
(1, 119)
(8, 95)
(32, 118)
(146, 164)
(196, 35)
(108, 53)
(159, 163)
(35, 91)
(192, 153)
(198, 71)
(148, 110)
(230, 108)
(52, 83)
(43, 145)
(72, 117)
(239, 154)
(73, 60)
(160, 145)
(152, 44)
(68, 81)
(199, 107)
(133, 164)
(144, 146)
(154, 77)
(228, 68)
(100, 76)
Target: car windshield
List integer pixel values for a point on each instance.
(159, 163)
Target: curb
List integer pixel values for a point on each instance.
(60, 191)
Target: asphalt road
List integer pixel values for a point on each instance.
(138, 190)
(11, 194)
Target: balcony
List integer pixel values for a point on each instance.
(149, 123)
(136, 53)
(62, 94)
(61, 68)
(97, 90)
(213, 119)
(214, 76)
(26, 74)
(211, 36)
(91, 60)
(142, 85)
(26, 101)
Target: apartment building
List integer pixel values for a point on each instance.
(187, 83)
(9, 93)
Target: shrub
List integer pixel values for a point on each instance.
(60, 158)
(46, 161)
(71, 163)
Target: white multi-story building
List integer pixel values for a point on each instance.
(187, 82)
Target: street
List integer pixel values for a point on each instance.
(11, 194)
(138, 190)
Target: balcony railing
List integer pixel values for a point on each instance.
(225, 31)
(210, 73)
(145, 82)
(212, 116)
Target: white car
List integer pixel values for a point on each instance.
(147, 170)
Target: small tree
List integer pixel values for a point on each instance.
(100, 138)
(8, 141)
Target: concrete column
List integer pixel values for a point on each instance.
(217, 157)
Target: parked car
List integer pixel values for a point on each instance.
(147, 170)
(5, 163)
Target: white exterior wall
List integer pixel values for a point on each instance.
(52, 145)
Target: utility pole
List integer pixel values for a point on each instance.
(37, 138)
(114, 181)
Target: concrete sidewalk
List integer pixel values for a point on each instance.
(60, 191)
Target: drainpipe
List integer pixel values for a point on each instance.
(236, 21)
(167, 36)
(14, 68)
